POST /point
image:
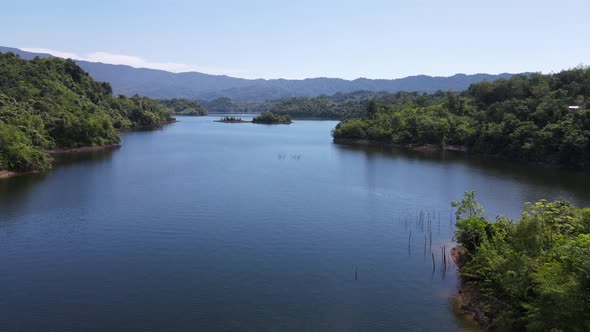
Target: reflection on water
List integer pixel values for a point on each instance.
(552, 183)
(548, 176)
(208, 226)
(15, 191)
(88, 156)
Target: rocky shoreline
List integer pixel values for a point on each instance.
(468, 296)
(84, 149)
(232, 121)
(7, 174)
(414, 147)
(459, 148)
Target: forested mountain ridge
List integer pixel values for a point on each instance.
(51, 103)
(533, 117)
(161, 84)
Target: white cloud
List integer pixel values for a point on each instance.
(129, 60)
(135, 61)
(52, 52)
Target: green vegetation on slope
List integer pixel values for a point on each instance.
(184, 106)
(347, 105)
(317, 108)
(227, 105)
(534, 273)
(52, 103)
(525, 117)
(271, 118)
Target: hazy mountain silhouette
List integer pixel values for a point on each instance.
(155, 83)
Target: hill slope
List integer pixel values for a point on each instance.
(541, 118)
(51, 103)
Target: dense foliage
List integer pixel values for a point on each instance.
(533, 274)
(52, 103)
(271, 118)
(525, 117)
(184, 106)
(338, 106)
(347, 105)
(228, 105)
(318, 108)
(231, 119)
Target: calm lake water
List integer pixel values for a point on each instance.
(204, 226)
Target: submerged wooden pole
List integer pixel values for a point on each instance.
(409, 244)
(433, 263)
(445, 256)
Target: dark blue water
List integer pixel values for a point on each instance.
(204, 226)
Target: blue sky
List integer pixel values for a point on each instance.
(300, 38)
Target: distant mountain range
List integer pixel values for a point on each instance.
(161, 84)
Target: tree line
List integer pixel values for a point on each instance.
(271, 118)
(342, 105)
(526, 117)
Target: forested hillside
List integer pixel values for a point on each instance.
(50, 103)
(524, 117)
(184, 106)
(532, 274)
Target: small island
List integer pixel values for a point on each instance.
(271, 118)
(231, 119)
(263, 118)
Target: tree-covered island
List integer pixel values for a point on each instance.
(271, 118)
(263, 118)
(231, 119)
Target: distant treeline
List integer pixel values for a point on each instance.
(534, 117)
(336, 107)
(184, 106)
(52, 103)
(348, 105)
